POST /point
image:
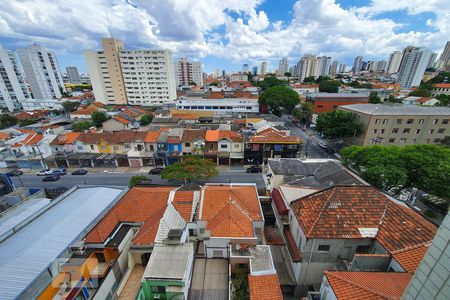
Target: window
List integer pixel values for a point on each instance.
(431, 131)
(402, 141)
(445, 121)
(417, 131)
(394, 130)
(362, 249)
(152, 148)
(381, 131)
(127, 146)
(436, 141)
(92, 147)
(371, 141)
(116, 148)
(377, 121)
(187, 144)
(391, 140)
(158, 289)
(399, 121)
(385, 121)
(217, 253)
(406, 130)
(441, 130)
(421, 121)
(223, 146)
(80, 147)
(410, 121)
(236, 146)
(435, 121)
(374, 131)
(323, 248)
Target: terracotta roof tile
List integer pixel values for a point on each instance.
(4, 136)
(32, 139)
(151, 136)
(182, 201)
(64, 139)
(264, 287)
(117, 137)
(442, 85)
(230, 135)
(410, 258)
(121, 120)
(212, 135)
(368, 285)
(144, 205)
(191, 135)
(272, 136)
(230, 210)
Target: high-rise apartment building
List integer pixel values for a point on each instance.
(41, 72)
(263, 69)
(187, 72)
(255, 70)
(72, 73)
(245, 68)
(322, 66)
(432, 60)
(136, 77)
(393, 65)
(357, 65)
(342, 68)
(334, 67)
(13, 89)
(413, 66)
(444, 59)
(283, 66)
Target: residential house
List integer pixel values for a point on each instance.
(162, 147)
(82, 113)
(30, 151)
(193, 141)
(354, 228)
(270, 143)
(229, 214)
(211, 144)
(119, 122)
(230, 145)
(423, 101)
(151, 146)
(174, 145)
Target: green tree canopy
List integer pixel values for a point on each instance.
(270, 81)
(426, 167)
(445, 141)
(420, 92)
(7, 120)
(373, 98)
(214, 84)
(392, 99)
(192, 83)
(288, 74)
(70, 106)
(136, 179)
(82, 125)
(354, 84)
(322, 78)
(190, 168)
(309, 79)
(27, 122)
(98, 117)
(304, 113)
(279, 99)
(338, 124)
(329, 86)
(444, 100)
(440, 78)
(145, 120)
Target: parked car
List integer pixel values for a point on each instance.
(44, 172)
(323, 145)
(15, 172)
(80, 172)
(254, 169)
(60, 171)
(156, 171)
(53, 177)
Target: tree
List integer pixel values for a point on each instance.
(426, 167)
(190, 168)
(145, 120)
(309, 79)
(354, 84)
(338, 124)
(373, 98)
(279, 99)
(392, 99)
(445, 141)
(444, 100)
(365, 86)
(98, 117)
(192, 83)
(420, 92)
(82, 126)
(7, 120)
(442, 77)
(70, 106)
(271, 81)
(288, 74)
(137, 179)
(304, 113)
(214, 84)
(27, 122)
(322, 78)
(329, 86)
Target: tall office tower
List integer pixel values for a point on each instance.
(187, 72)
(283, 66)
(381, 66)
(13, 89)
(393, 65)
(413, 65)
(255, 70)
(41, 72)
(137, 77)
(72, 73)
(263, 68)
(334, 68)
(357, 65)
(245, 68)
(432, 60)
(444, 59)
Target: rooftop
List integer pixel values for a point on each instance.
(368, 285)
(271, 136)
(42, 238)
(264, 287)
(337, 95)
(393, 110)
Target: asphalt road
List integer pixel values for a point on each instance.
(313, 150)
(122, 179)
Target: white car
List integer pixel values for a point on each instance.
(44, 172)
(323, 145)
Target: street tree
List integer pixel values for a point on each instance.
(70, 106)
(7, 120)
(191, 168)
(98, 117)
(145, 120)
(445, 141)
(137, 179)
(421, 92)
(338, 124)
(373, 98)
(279, 99)
(271, 81)
(309, 79)
(393, 99)
(329, 86)
(288, 74)
(82, 125)
(444, 100)
(304, 113)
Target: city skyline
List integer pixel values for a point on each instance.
(229, 34)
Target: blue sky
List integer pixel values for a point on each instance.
(224, 34)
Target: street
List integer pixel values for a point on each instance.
(313, 149)
(122, 179)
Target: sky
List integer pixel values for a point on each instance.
(225, 34)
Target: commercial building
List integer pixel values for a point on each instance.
(400, 124)
(326, 102)
(219, 106)
(393, 65)
(238, 77)
(136, 77)
(187, 72)
(413, 65)
(13, 89)
(72, 73)
(263, 69)
(42, 72)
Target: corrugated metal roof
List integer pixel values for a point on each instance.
(28, 252)
(170, 262)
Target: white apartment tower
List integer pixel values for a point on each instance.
(283, 66)
(334, 67)
(357, 65)
(263, 69)
(187, 72)
(395, 58)
(135, 77)
(72, 73)
(13, 89)
(41, 72)
(413, 66)
(444, 59)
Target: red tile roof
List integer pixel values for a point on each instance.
(442, 85)
(121, 120)
(144, 205)
(230, 135)
(64, 139)
(272, 136)
(182, 201)
(264, 287)
(151, 136)
(212, 135)
(230, 210)
(368, 285)
(191, 135)
(117, 137)
(4, 136)
(410, 258)
(344, 212)
(32, 139)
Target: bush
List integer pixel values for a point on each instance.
(430, 214)
(240, 285)
(137, 179)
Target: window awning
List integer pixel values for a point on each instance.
(279, 202)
